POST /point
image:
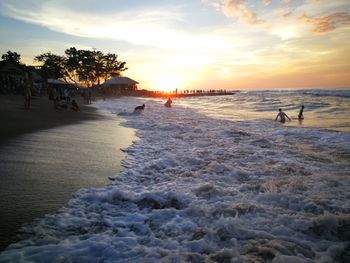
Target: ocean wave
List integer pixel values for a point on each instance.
(335, 93)
(311, 92)
(206, 190)
(326, 112)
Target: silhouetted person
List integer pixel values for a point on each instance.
(56, 103)
(168, 103)
(66, 95)
(301, 116)
(85, 97)
(74, 106)
(282, 116)
(27, 93)
(89, 96)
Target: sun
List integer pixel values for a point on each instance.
(167, 83)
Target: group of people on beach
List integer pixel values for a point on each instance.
(62, 102)
(65, 104)
(282, 115)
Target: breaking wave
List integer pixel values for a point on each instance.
(198, 189)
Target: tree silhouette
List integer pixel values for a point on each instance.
(11, 56)
(112, 67)
(53, 65)
(88, 67)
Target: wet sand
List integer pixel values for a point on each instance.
(47, 155)
(16, 120)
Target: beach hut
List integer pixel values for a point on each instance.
(12, 74)
(120, 85)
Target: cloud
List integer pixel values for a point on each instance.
(143, 26)
(166, 39)
(321, 25)
(284, 12)
(238, 8)
(266, 2)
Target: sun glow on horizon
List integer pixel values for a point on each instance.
(207, 44)
(167, 82)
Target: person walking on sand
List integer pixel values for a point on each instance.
(301, 116)
(27, 93)
(282, 116)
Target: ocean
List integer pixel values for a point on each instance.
(213, 179)
(326, 109)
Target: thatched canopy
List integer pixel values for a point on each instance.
(119, 81)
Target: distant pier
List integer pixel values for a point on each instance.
(182, 94)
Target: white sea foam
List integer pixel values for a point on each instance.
(196, 189)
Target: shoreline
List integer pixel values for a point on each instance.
(47, 155)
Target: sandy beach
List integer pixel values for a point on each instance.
(42, 115)
(47, 155)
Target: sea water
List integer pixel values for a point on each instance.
(327, 109)
(208, 182)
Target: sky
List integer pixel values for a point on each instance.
(193, 44)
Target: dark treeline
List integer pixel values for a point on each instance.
(81, 66)
(78, 66)
(11, 57)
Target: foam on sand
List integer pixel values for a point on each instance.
(195, 189)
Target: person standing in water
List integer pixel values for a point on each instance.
(282, 116)
(168, 103)
(301, 116)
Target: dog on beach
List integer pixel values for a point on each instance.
(139, 109)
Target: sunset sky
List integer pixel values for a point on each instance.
(194, 44)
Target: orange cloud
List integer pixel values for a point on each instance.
(327, 23)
